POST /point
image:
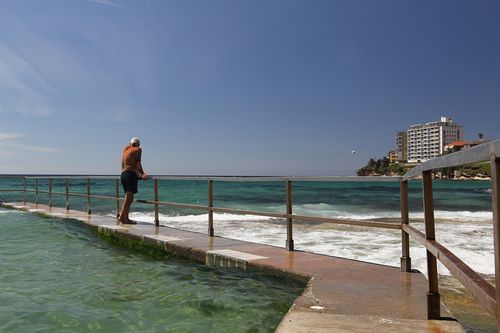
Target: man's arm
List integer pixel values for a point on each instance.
(140, 170)
(123, 159)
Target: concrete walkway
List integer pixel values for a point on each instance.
(342, 295)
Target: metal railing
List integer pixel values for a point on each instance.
(482, 290)
(289, 216)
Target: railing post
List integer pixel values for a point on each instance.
(67, 193)
(24, 195)
(289, 220)
(89, 211)
(50, 191)
(36, 191)
(495, 182)
(433, 298)
(210, 206)
(117, 195)
(405, 238)
(157, 213)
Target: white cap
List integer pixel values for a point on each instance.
(135, 141)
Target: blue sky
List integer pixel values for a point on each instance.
(252, 87)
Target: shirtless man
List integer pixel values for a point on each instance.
(131, 172)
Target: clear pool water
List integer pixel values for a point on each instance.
(59, 276)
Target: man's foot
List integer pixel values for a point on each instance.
(129, 222)
(121, 220)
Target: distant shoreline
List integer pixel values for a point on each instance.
(471, 178)
(437, 178)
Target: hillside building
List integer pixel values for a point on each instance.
(402, 146)
(393, 156)
(425, 141)
(460, 145)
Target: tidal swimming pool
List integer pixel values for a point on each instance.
(60, 276)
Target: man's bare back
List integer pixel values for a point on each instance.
(131, 159)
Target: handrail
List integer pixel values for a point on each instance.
(365, 223)
(289, 216)
(487, 295)
(230, 178)
(459, 269)
(479, 153)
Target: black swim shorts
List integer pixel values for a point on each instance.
(129, 181)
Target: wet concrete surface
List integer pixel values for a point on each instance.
(342, 295)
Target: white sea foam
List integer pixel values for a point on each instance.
(467, 234)
(149, 217)
(10, 211)
(327, 210)
(463, 216)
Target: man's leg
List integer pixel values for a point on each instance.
(129, 198)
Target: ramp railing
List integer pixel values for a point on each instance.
(287, 216)
(482, 290)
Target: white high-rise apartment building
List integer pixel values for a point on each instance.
(426, 141)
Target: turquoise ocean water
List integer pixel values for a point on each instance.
(59, 276)
(462, 210)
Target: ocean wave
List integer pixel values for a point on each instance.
(488, 190)
(149, 217)
(326, 210)
(10, 212)
(463, 215)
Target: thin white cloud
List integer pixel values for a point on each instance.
(9, 145)
(10, 136)
(22, 88)
(107, 3)
(19, 64)
(36, 149)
